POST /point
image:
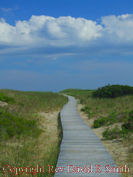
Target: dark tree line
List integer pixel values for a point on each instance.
(113, 91)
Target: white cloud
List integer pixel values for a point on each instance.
(49, 31)
(118, 28)
(67, 32)
(6, 32)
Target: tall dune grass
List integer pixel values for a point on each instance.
(109, 114)
(27, 149)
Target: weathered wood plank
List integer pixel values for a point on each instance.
(81, 148)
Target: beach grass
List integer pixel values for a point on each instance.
(30, 132)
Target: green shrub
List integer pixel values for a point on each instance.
(109, 120)
(112, 118)
(106, 134)
(100, 122)
(129, 124)
(112, 133)
(6, 98)
(131, 115)
(12, 125)
(85, 109)
(113, 91)
(116, 133)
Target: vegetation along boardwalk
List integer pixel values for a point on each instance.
(81, 151)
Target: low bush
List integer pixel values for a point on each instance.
(100, 122)
(87, 110)
(125, 130)
(129, 124)
(12, 125)
(112, 133)
(7, 99)
(111, 119)
(113, 91)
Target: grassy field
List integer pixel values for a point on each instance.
(108, 118)
(30, 131)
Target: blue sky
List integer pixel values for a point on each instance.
(57, 44)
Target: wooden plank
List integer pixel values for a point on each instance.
(81, 152)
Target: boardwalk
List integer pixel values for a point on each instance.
(81, 152)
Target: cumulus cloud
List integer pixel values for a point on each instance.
(44, 32)
(49, 31)
(118, 28)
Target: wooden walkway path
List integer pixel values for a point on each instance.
(81, 152)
